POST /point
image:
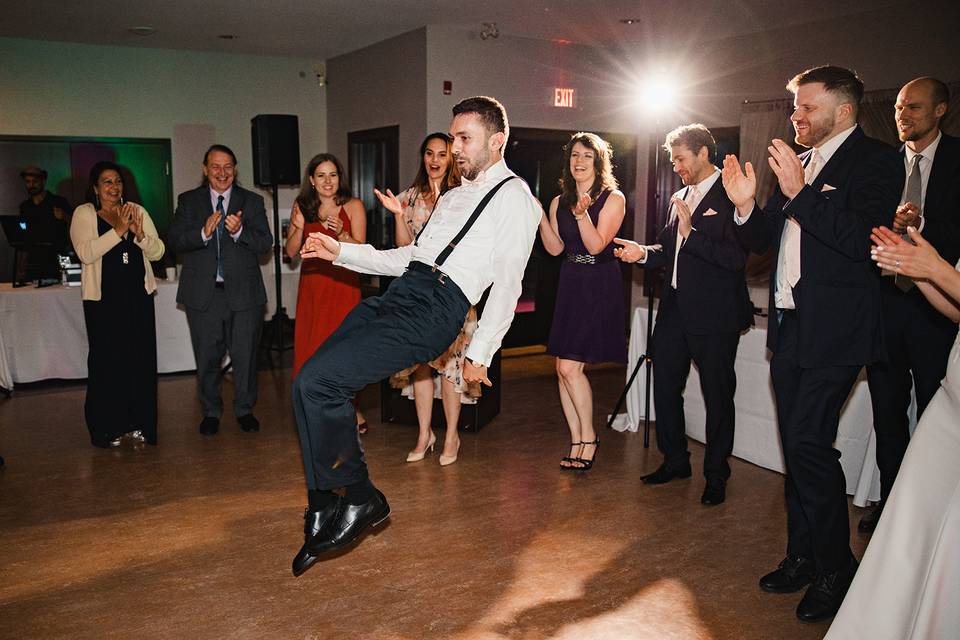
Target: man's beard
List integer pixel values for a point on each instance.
(471, 170)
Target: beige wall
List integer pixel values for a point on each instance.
(192, 98)
(378, 86)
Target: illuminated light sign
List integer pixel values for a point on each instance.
(563, 97)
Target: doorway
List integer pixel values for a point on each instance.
(537, 156)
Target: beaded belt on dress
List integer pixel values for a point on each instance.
(586, 258)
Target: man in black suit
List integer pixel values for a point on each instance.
(918, 338)
(825, 321)
(701, 313)
(220, 230)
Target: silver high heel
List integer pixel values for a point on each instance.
(413, 456)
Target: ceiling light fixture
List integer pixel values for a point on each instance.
(630, 20)
(142, 31)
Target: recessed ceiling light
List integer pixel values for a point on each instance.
(142, 31)
(630, 20)
(228, 36)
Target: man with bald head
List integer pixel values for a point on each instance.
(918, 338)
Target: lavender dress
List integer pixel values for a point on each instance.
(588, 320)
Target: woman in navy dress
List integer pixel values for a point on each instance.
(588, 321)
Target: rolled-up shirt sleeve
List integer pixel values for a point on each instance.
(363, 258)
(518, 217)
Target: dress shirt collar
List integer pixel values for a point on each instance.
(226, 199)
(495, 172)
(707, 183)
(828, 148)
(929, 152)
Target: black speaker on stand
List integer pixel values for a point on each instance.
(276, 161)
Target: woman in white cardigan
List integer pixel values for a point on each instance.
(116, 241)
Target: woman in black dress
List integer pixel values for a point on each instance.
(588, 320)
(115, 242)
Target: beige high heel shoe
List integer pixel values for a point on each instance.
(413, 456)
(445, 460)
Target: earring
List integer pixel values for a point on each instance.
(97, 196)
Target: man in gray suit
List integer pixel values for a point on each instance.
(219, 231)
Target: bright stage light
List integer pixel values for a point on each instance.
(657, 94)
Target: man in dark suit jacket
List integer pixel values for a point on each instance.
(219, 231)
(918, 338)
(825, 321)
(703, 309)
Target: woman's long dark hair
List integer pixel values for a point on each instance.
(95, 172)
(308, 200)
(602, 165)
(421, 184)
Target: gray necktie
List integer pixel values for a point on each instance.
(913, 194)
(219, 231)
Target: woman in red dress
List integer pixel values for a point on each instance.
(327, 293)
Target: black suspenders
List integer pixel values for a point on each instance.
(466, 227)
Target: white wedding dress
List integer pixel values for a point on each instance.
(908, 584)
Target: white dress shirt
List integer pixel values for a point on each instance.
(226, 207)
(495, 251)
(926, 165)
(700, 189)
(783, 292)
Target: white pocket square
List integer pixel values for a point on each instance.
(709, 212)
(827, 187)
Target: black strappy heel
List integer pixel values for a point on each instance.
(571, 459)
(587, 464)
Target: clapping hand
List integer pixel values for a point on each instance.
(684, 217)
(320, 245)
(389, 201)
(124, 219)
(907, 215)
(334, 223)
(233, 223)
(918, 260)
(788, 167)
(297, 220)
(741, 187)
(583, 204)
(629, 251)
(136, 221)
(210, 226)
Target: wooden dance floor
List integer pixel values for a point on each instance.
(193, 538)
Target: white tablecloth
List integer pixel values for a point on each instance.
(757, 439)
(43, 336)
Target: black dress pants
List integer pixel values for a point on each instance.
(715, 356)
(417, 318)
(809, 401)
(918, 343)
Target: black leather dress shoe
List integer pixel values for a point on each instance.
(715, 492)
(792, 574)
(824, 597)
(665, 474)
(249, 423)
(313, 522)
(869, 522)
(209, 425)
(349, 523)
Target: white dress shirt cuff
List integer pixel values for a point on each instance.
(920, 226)
(204, 236)
(236, 236)
(480, 352)
(742, 219)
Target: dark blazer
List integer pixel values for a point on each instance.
(941, 228)
(838, 295)
(710, 269)
(242, 280)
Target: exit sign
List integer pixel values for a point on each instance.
(563, 97)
